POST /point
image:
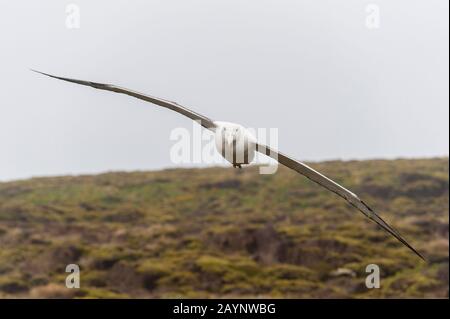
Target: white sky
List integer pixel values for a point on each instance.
(334, 88)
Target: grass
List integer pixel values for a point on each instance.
(220, 232)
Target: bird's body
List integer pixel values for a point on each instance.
(234, 143)
(238, 146)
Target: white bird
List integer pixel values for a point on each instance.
(238, 146)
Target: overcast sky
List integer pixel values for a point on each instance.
(334, 87)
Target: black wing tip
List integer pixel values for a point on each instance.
(46, 74)
(404, 242)
(385, 226)
(423, 258)
(82, 82)
(418, 254)
(34, 70)
(400, 238)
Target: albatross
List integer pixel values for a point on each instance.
(238, 146)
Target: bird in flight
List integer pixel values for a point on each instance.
(238, 146)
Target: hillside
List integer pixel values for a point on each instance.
(220, 232)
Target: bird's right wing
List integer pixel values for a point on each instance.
(203, 120)
(329, 184)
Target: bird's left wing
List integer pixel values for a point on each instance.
(204, 121)
(324, 181)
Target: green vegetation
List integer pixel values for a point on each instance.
(221, 232)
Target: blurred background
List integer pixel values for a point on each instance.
(359, 89)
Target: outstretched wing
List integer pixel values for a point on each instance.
(204, 121)
(324, 181)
